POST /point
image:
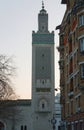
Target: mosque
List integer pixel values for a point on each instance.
(37, 113)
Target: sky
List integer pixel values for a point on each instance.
(18, 18)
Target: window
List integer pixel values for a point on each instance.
(43, 105)
(23, 127)
(78, 103)
(82, 44)
(76, 80)
(1, 126)
(68, 108)
(42, 67)
(71, 107)
(42, 55)
(82, 71)
(43, 82)
(81, 20)
(74, 38)
(71, 66)
(71, 85)
(81, 125)
(42, 27)
(75, 60)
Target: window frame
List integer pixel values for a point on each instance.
(82, 71)
(81, 40)
(81, 20)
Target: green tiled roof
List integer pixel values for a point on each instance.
(43, 38)
(19, 102)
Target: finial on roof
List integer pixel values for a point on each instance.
(42, 4)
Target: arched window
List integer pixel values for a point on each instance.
(23, 127)
(43, 105)
(1, 126)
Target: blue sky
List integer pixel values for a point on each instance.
(18, 18)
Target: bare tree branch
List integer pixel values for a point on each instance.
(7, 111)
(6, 71)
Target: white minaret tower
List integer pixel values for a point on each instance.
(42, 74)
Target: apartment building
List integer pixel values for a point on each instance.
(71, 64)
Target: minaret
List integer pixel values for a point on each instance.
(42, 74)
(43, 20)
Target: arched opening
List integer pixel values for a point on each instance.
(43, 105)
(1, 126)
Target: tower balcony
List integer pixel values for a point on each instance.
(42, 83)
(42, 38)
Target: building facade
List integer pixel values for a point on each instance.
(71, 49)
(19, 116)
(57, 110)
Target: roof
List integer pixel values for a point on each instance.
(42, 11)
(64, 1)
(19, 102)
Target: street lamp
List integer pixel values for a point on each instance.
(53, 122)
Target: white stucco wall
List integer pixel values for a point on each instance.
(22, 117)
